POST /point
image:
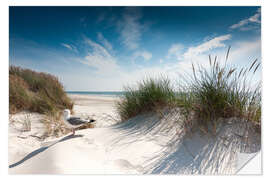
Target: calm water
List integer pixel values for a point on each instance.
(101, 93)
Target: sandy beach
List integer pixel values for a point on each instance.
(142, 145)
(99, 107)
(123, 90)
(23, 141)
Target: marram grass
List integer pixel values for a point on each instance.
(222, 91)
(210, 93)
(149, 95)
(35, 92)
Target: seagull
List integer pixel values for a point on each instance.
(74, 122)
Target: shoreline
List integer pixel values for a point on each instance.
(97, 93)
(102, 97)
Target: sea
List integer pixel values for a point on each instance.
(99, 93)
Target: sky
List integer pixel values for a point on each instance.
(107, 48)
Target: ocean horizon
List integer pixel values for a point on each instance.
(101, 93)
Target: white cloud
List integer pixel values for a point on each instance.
(240, 24)
(70, 47)
(175, 51)
(197, 54)
(247, 28)
(253, 19)
(111, 76)
(67, 46)
(104, 41)
(144, 54)
(100, 62)
(130, 27)
(99, 58)
(246, 51)
(132, 77)
(206, 46)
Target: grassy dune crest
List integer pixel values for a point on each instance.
(36, 92)
(205, 95)
(149, 95)
(222, 91)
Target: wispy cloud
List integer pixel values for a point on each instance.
(185, 54)
(206, 46)
(130, 28)
(99, 58)
(70, 47)
(246, 51)
(67, 46)
(143, 54)
(175, 51)
(240, 52)
(104, 41)
(198, 54)
(255, 19)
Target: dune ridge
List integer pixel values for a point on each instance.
(146, 144)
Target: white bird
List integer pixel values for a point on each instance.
(74, 122)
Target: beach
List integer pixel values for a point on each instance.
(123, 90)
(145, 144)
(23, 141)
(99, 107)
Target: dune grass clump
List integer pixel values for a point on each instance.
(222, 91)
(150, 95)
(35, 92)
(206, 95)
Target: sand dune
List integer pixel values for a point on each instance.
(146, 144)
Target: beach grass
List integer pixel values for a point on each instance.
(208, 93)
(36, 92)
(222, 91)
(149, 95)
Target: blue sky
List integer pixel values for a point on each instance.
(105, 48)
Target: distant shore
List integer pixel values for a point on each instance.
(97, 93)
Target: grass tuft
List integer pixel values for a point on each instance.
(150, 95)
(36, 92)
(221, 92)
(205, 95)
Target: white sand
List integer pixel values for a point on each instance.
(23, 142)
(143, 145)
(100, 108)
(20, 141)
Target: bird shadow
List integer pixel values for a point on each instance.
(36, 152)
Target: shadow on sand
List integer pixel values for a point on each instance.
(36, 152)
